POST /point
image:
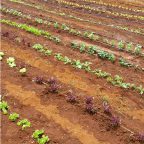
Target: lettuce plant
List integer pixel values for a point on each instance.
(38, 47)
(23, 71)
(39, 136)
(121, 45)
(139, 137)
(1, 55)
(66, 60)
(64, 27)
(70, 97)
(77, 64)
(129, 47)
(53, 88)
(74, 45)
(92, 50)
(82, 47)
(107, 108)
(4, 107)
(86, 66)
(90, 108)
(48, 52)
(13, 117)
(101, 73)
(56, 25)
(56, 39)
(91, 36)
(43, 140)
(86, 34)
(137, 49)
(59, 56)
(115, 122)
(123, 62)
(89, 100)
(11, 62)
(24, 123)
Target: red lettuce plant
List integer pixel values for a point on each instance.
(138, 137)
(53, 88)
(107, 108)
(90, 108)
(115, 122)
(89, 100)
(89, 105)
(70, 97)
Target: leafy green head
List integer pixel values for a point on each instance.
(13, 117)
(11, 62)
(4, 107)
(24, 123)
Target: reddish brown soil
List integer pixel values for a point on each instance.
(63, 122)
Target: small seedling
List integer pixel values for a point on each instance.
(23, 71)
(107, 108)
(1, 55)
(11, 62)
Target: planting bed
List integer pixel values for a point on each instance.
(72, 72)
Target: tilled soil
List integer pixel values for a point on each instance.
(63, 122)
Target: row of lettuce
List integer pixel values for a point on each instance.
(38, 135)
(124, 15)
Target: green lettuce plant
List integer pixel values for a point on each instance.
(24, 123)
(1, 55)
(11, 62)
(13, 117)
(4, 107)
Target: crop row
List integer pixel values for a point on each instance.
(120, 45)
(38, 135)
(62, 14)
(114, 5)
(91, 50)
(128, 16)
(118, 81)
